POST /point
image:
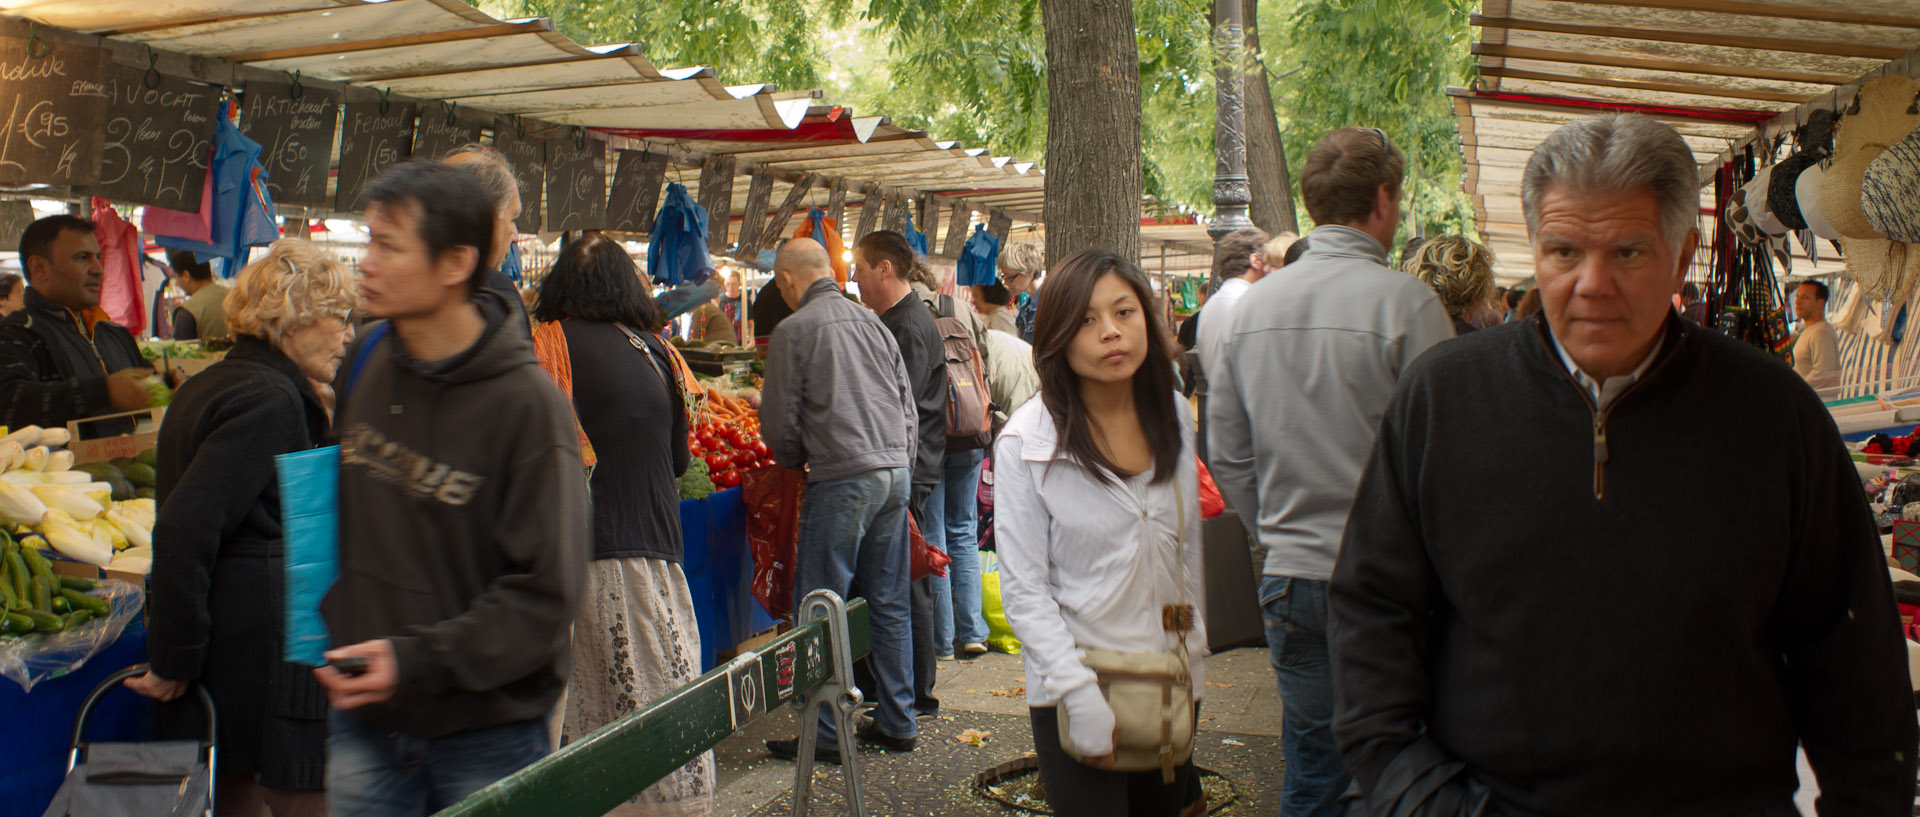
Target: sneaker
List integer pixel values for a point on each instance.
(869, 734)
(946, 657)
(789, 749)
(973, 650)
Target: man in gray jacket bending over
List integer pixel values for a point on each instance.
(1304, 375)
(836, 403)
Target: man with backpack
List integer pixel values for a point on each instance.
(464, 522)
(883, 264)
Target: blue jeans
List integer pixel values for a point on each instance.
(935, 527)
(1295, 612)
(377, 773)
(961, 486)
(856, 528)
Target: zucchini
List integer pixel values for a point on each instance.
(9, 600)
(77, 583)
(82, 601)
(21, 576)
(46, 622)
(42, 596)
(77, 618)
(18, 622)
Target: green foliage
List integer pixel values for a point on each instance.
(1384, 64)
(748, 40)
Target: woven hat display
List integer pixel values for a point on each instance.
(1840, 193)
(1884, 270)
(1783, 183)
(1759, 206)
(1806, 193)
(1882, 114)
(1890, 191)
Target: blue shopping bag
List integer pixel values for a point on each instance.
(310, 517)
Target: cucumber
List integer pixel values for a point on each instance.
(81, 601)
(18, 622)
(9, 600)
(21, 576)
(46, 622)
(8, 547)
(77, 583)
(61, 606)
(41, 566)
(78, 617)
(42, 596)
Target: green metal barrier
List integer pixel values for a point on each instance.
(591, 776)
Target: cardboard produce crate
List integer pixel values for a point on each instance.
(101, 449)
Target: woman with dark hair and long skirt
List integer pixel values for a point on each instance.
(635, 638)
(1098, 524)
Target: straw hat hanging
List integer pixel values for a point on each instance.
(1880, 267)
(1840, 192)
(1890, 191)
(1883, 113)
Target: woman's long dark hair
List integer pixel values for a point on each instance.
(1063, 303)
(595, 280)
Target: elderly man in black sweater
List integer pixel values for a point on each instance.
(1673, 583)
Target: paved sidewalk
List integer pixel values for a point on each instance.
(1239, 739)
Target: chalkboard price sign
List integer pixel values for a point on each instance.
(158, 141)
(636, 191)
(522, 143)
(295, 131)
(443, 130)
(576, 182)
(54, 104)
(370, 140)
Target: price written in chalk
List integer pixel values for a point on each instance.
(53, 109)
(158, 139)
(294, 126)
(373, 135)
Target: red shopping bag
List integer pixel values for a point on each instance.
(1211, 503)
(927, 559)
(773, 496)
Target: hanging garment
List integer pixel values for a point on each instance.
(915, 239)
(120, 293)
(978, 259)
(822, 229)
(678, 252)
(240, 212)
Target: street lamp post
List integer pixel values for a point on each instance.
(1231, 194)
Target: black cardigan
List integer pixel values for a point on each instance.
(638, 428)
(214, 609)
(1649, 634)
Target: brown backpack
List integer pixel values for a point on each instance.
(969, 408)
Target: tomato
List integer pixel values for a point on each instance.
(745, 459)
(760, 448)
(705, 437)
(716, 463)
(727, 479)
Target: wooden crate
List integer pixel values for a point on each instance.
(102, 449)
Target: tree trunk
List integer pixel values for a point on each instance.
(1093, 128)
(1272, 208)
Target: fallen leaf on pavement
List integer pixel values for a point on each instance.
(973, 736)
(1009, 692)
(1220, 685)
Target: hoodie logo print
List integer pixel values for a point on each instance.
(397, 465)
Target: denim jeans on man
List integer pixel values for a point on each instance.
(1295, 613)
(937, 532)
(856, 528)
(961, 486)
(383, 773)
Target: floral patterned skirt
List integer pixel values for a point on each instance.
(635, 640)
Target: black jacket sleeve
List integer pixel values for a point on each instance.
(926, 361)
(184, 325)
(28, 399)
(232, 466)
(1838, 630)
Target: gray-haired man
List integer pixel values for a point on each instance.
(1676, 584)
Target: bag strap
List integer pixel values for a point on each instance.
(374, 336)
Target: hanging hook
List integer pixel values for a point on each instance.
(1914, 106)
(579, 138)
(152, 78)
(519, 125)
(1854, 107)
(451, 107)
(36, 47)
(294, 89)
(384, 104)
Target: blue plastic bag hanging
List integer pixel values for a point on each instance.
(310, 518)
(978, 258)
(511, 264)
(915, 239)
(678, 253)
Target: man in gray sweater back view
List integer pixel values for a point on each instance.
(1305, 373)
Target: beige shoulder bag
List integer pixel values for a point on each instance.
(1151, 692)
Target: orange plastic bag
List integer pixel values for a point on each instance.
(773, 496)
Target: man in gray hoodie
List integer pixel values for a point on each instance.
(1304, 374)
(836, 403)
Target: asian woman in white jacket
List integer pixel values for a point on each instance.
(1094, 541)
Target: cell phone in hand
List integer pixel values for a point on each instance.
(352, 667)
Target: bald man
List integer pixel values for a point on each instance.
(836, 403)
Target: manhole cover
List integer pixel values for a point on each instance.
(1014, 784)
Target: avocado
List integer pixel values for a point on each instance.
(143, 493)
(123, 490)
(141, 475)
(149, 458)
(100, 471)
(123, 463)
